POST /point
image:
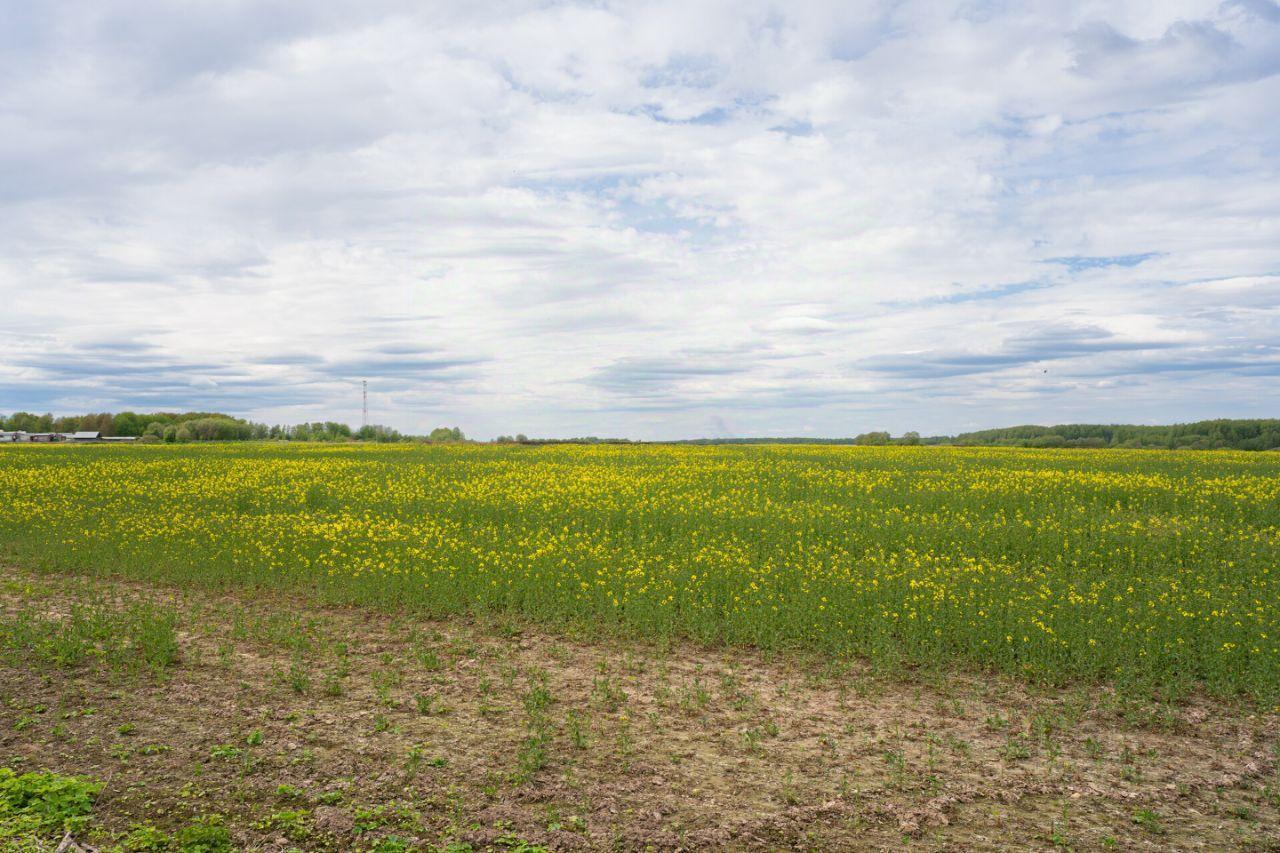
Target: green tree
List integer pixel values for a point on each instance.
(24, 421)
(128, 423)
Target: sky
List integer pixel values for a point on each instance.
(649, 219)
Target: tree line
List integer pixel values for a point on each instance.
(1246, 434)
(1255, 434)
(211, 426)
(875, 438)
(521, 438)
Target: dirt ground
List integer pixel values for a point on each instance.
(316, 728)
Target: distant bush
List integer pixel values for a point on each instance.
(446, 434)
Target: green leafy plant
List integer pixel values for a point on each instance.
(41, 803)
(209, 834)
(144, 838)
(292, 824)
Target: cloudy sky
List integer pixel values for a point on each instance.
(646, 219)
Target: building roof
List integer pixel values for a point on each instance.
(86, 434)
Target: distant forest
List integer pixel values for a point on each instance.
(211, 426)
(1201, 435)
(215, 426)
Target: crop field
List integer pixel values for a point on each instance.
(626, 647)
(1054, 565)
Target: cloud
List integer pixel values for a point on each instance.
(1266, 10)
(1050, 343)
(642, 219)
(1188, 52)
(1078, 263)
(417, 366)
(648, 377)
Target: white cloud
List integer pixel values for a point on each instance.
(647, 219)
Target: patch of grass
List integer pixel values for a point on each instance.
(1014, 749)
(392, 844)
(608, 694)
(138, 637)
(413, 759)
(996, 722)
(531, 756)
(576, 728)
(426, 704)
(514, 844)
(429, 660)
(298, 679)
(694, 697)
(1149, 820)
(538, 699)
(387, 815)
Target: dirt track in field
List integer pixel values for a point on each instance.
(317, 728)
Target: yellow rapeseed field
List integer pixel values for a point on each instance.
(1138, 566)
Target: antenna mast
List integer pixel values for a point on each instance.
(364, 402)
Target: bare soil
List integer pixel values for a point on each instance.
(317, 728)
